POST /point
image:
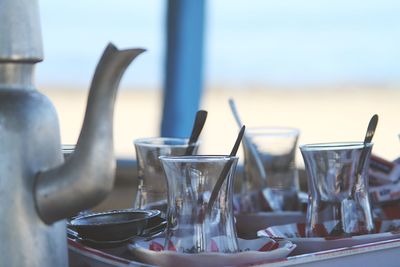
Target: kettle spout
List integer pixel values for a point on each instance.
(87, 176)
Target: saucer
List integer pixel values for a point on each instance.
(155, 228)
(251, 251)
(386, 230)
(112, 225)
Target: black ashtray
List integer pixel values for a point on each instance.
(113, 225)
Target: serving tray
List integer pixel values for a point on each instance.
(382, 254)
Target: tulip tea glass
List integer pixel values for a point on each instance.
(273, 152)
(338, 189)
(152, 188)
(192, 226)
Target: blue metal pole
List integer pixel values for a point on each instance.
(184, 66)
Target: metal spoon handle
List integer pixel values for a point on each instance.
(371, 129)
(235, 147)
(247, 142)
(373, 122)
(235, 112)
(198, 125)
(225, 170)
(348, 213)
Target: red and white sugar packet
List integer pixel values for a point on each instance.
(382, 171)
(384, 193)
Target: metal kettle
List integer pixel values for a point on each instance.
(38, 190)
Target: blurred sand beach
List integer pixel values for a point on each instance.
(322, 115)
(296, 44)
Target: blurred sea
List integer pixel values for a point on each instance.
(274, 43)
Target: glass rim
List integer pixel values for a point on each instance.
(68, 147)
(198, 158)
(158, 142)
(334, 146)
(280, 131)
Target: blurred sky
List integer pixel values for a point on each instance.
(274, 42)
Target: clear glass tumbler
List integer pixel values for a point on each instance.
(193, 227)
(152, 187)
(273, 150)
(338, 189)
